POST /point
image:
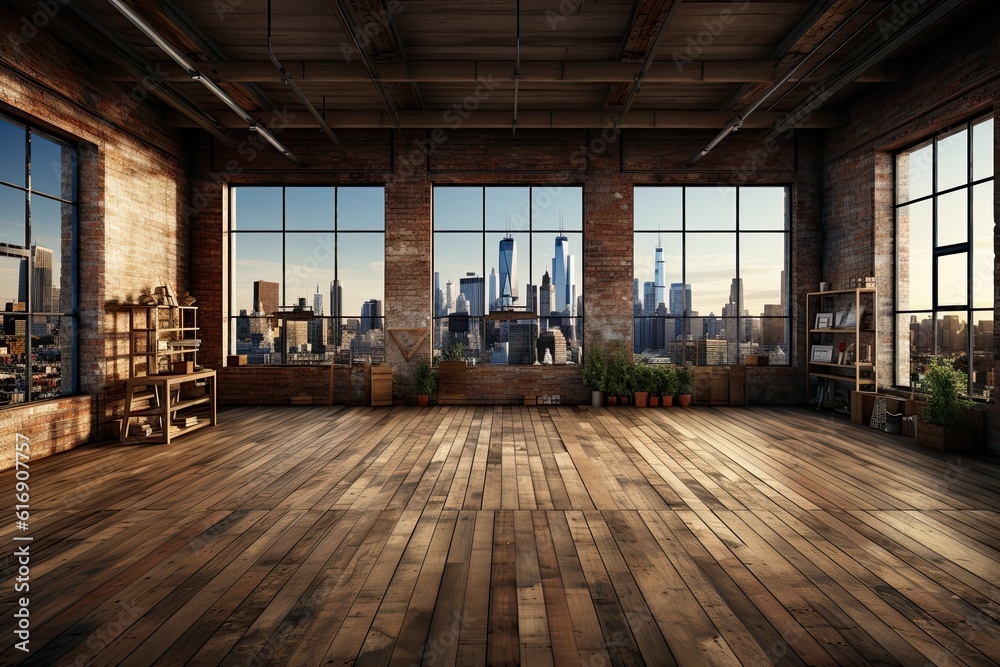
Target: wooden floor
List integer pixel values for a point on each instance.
(506, 535)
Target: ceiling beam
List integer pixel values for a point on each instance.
(532, 71)
(638, 119)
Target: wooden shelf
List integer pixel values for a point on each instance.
(845, 378)
(863, 303)
(159, 335)
(167, 402)
(857, 364)
(832, 292)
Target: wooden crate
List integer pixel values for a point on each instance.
(183, 367)
(381, 385)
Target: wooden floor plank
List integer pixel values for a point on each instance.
(512, 535)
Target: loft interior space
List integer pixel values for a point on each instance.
(515, 332)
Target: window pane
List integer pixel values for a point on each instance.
(762, 272)
(13, 289)
(12, 216)
(52, 167)
(773, 340)
(47, 252)
(952, 160)
(953, 283)
(12, 153)
(914, 173)
(763, 208)
(308, 268)
(914, 346)
(361, 272)
(953, 337)
(256, 208)
(309, 208)
(456, 255)
(711, 275)
(13, 348)
(984, 355)
(982, 246)
(361, 208)
(459, 208)
(256, 273)
(953, 218)
(558, 255)
(914, 255)
(658, 208)
(710, 208)
(652, 252)
(982, 150)
(51, 350)
(509, 209)
(255, 337)
(549, 202)
(507, 271)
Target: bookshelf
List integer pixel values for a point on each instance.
(842, 335)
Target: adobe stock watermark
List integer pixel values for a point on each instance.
(31, 25)
(713, 28)
(566, 9)
(902, 13)
(363, 35)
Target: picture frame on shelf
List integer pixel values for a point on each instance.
(824, 320)
(821, 353)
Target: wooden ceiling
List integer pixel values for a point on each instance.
(583, 63)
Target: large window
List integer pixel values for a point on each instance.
(307, 274)
(944, 255)
(508, 273)
(711, 274)
(38, 200)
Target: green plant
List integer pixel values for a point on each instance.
(619, 372)
(453, 352)
(644, 378)
(685, 380)
(666, 379)
(426, 379)
(595, 369)
(946, 405)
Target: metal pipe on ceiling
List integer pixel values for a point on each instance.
(195, 75)
(661, 30)
(737, 122)
(517, 63)
(286, 78)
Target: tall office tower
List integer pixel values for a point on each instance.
(462, 304)
(243, 325)
(447, 297)
(562, 276)
(531, 299)
(546, 296)
(736, 292)
(492, 303)
(41, 274)
(659, 281)
(371, 316)
(317, 302)
(680, 305)
(335, 334)
(649, 301)
(317, 328)
(636, 301)
(508, 273)
(773, 325)
(265, 295)
(438, 295)
(472, 287)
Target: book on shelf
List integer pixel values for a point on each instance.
(185, 421)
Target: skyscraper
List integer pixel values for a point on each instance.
(546, 296)
(41, 285)
(680, 305)
(492, 303)
(317, 328)
(649, 300)
(660, 295)
(472, 287)
(562, 276)
(371, 316)
(317, 302)
(508, 273)
(336, 336)
(265, 297)
(447, 297)
(736, 292)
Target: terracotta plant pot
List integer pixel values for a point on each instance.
(423, 399)
(668, 401)
(685, 400)
(641, 399)
(612, 400)
(654, 401)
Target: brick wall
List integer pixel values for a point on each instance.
(132, 188)
(50, 427)
(948, 83)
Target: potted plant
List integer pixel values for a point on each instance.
(619, 376)
(426, 380)
(452, 381)
(944, 424)
(685, 384)
(667, 384)
(595, 375)
(641, 378)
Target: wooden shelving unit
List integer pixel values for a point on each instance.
(170, 399)
(860, 336)
(160, 335)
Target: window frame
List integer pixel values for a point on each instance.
(518, 313)
(736, 233)
(232, 232)
(967, 247)
(68, 378)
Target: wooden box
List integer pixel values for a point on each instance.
(738, 385)
(381, 385)
(183, 367)
(531, 400)
(756, 360)
(236, 360)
